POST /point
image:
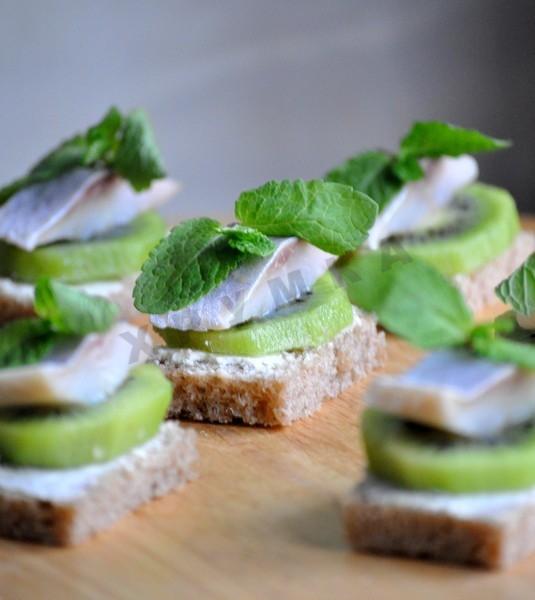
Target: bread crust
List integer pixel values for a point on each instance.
(491, 530)
(274, 390)
(478, 287)
(63, 515)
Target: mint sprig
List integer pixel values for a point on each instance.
(62, 311)
(381, 174)
(25, 342)
(415, 301)
(122, 143)
(518, 290)
(191, 261)
(71, 312)
(331, 216)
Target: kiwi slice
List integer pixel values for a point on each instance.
(478, 225)
(306, 323)
(115, 255)
(60, 439)
(419, 457)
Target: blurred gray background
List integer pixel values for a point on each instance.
(241, 91)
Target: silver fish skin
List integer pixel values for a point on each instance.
(255, 289)
(420, 200)
(455, 391)
(80, 372)
(78, 205)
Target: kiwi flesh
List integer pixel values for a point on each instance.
(72, 437)
(478, 225)
(306, 323)
(112, 256)
(422, 458)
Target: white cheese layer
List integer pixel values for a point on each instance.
(81, 372)
(457, 392)
(492, 506)
(68, 485)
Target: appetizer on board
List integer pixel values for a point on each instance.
(84, 214)
(434, 208)
(82, 438)
(256, 328)
(450, 443)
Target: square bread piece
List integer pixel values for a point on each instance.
(478, 287)
(270, 390)
(491, 530)
(65, 506)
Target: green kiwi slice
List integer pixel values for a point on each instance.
(60, 439)
(306, 323)
(422, 458)
(117, 254)
(477, 226)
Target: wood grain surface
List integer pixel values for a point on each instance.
(261, 521)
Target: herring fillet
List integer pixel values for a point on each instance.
(82, 371)
(420, 200)
(255, 289)
(457, 392)
(77, 205)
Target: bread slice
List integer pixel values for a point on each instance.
(16, 299)
(66, 506)
(478, 287)
(489, 530)
(270, 390)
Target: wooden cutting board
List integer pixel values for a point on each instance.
(261, 521)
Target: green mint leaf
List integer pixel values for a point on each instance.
(518, 291)
(248, 240)
(408, 169)
(185, 266)
(495, 347)
(25, 342)
(410, 299)
(331, 216)
(122, 144)
(370, 173)
(103, 138)
(431, 139)
(138, 158)
(70, 311)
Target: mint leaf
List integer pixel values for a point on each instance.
(185, 266)
(519, 289)
(248, 240)
(25, 342)
(408, 169)
(370, 173)
(102, 139)
(122, 144)
(70, 311)
(431, 139)
(331, 216)
(138, 158)
(410, 299)
(500, 349)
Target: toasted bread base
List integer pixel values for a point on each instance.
(64, 507)
(478, 287)
(271, 390)
(16, 299)
(488, 530)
